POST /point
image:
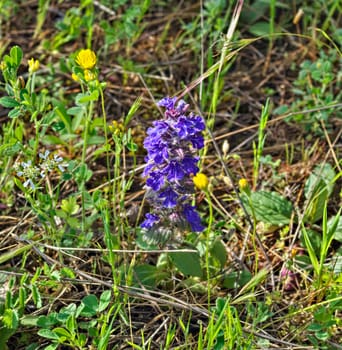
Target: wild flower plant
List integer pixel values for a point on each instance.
(33, 174)
(172, 144)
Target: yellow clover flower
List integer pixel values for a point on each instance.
(33, 65)
(86, 59)
(201, 181)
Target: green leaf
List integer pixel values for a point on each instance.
(10, 319)
(147, 275)
(96, 140)
(86, 97)
(47, 321)
(53, 140)
(63, 115)
(62, 332)
(218, 251)
(322, 335)
(135, 106)
(313, 327)
(83, 174)
(16, 54)
(317, 190)
(188, 263)
(10, 149)
(257, 9)
(236, 279)
(69, 205)
(260, 28)
(16, 251)
(90, 306)
(49, 334)
(269, 207)
(78, 110)
(311, 250)
(255, 280)
(29, 321)
(77, 117)
(105, 299)
(9, 102)
(315, 240)
(14, 113)
(58, 126)
(70, 323)
(336, 227)
(36, 296)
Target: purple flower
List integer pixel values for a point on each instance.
(172, 145)
(167, 102)
(289, 279)
(155, 181)
(170, 197)
(150, 221)
(174, 171)
(193, 218)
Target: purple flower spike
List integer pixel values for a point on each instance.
(172, 145)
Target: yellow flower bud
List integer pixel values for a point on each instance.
(86, 59)
(201, 181)
(243, 183)
(244, 186)
(75, 77)
(116, 128)
(89, 75)
(33, 65)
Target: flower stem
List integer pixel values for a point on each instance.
(83, 160)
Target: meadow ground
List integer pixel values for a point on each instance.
(131, 224)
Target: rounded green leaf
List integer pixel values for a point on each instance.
(188, 263)
(90, 306)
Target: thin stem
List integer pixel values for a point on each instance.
(210, 222)
(104, 114)
(83, 160)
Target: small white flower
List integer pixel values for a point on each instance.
(45, 155)
(29, 182)
(61, 167)
(27, 164)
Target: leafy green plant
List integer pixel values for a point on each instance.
(76, 326)
(318, 258)
(324, 324)
(318, 85)
(19, 292)
(224, 329)
(75, 21)
(129, 27)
